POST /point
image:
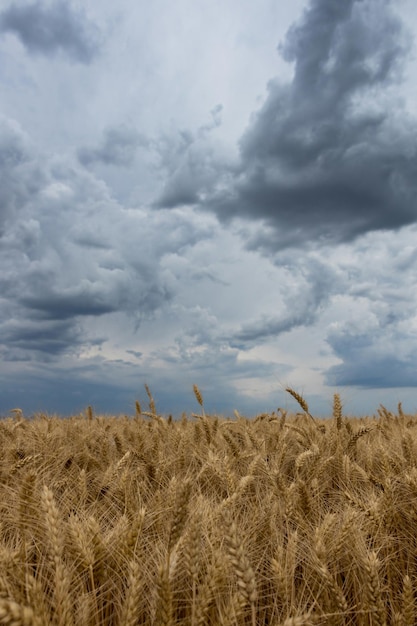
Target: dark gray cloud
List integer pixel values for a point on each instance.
(265, 328)
(327, 157)
(81, 300)
(374, 372)
(52, 338)
(48, 30)
(118, 147)
(370, 362)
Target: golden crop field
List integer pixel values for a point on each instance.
(275, 520)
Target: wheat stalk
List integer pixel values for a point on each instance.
(81, 541)
(130, 612)
(37, 598)
(337, 411)
(233, 611)
(303, 404)
(192, 557)
(280, 576)
(374, 603)
(164, 598)
(152, 406)
(98, 547)
(198, 395)
(207, 592)
(335, 591)
(241, 565)
(53, 520)
(408, 612)
(354, 438)
(133, 531)
(63, 604)
(180, 514)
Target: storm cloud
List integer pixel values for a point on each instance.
(328, 156)
(53, 29)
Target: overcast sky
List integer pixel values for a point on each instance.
(221, 192)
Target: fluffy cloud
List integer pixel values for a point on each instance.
(20, 176)
(373, 332)
(71, 252)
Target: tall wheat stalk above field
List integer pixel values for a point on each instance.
(303, 404)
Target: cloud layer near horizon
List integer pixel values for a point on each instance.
(136, 249)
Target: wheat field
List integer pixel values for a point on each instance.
(282, 519)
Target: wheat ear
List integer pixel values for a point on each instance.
(408, 603)
(98, 547)
(336, 594)
(241, 565)
(374, 602)
(198, 395)
(234, 610)
(180, 515)
(152, 406)
(207, 593)
(132, 534)
(81, 541)
(164, 599)
(303, 404)
(36, 597)
(337, 410)
(130, 613)
(279, 576)
(63, 603)
(192, 557)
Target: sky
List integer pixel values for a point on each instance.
(211, 192)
